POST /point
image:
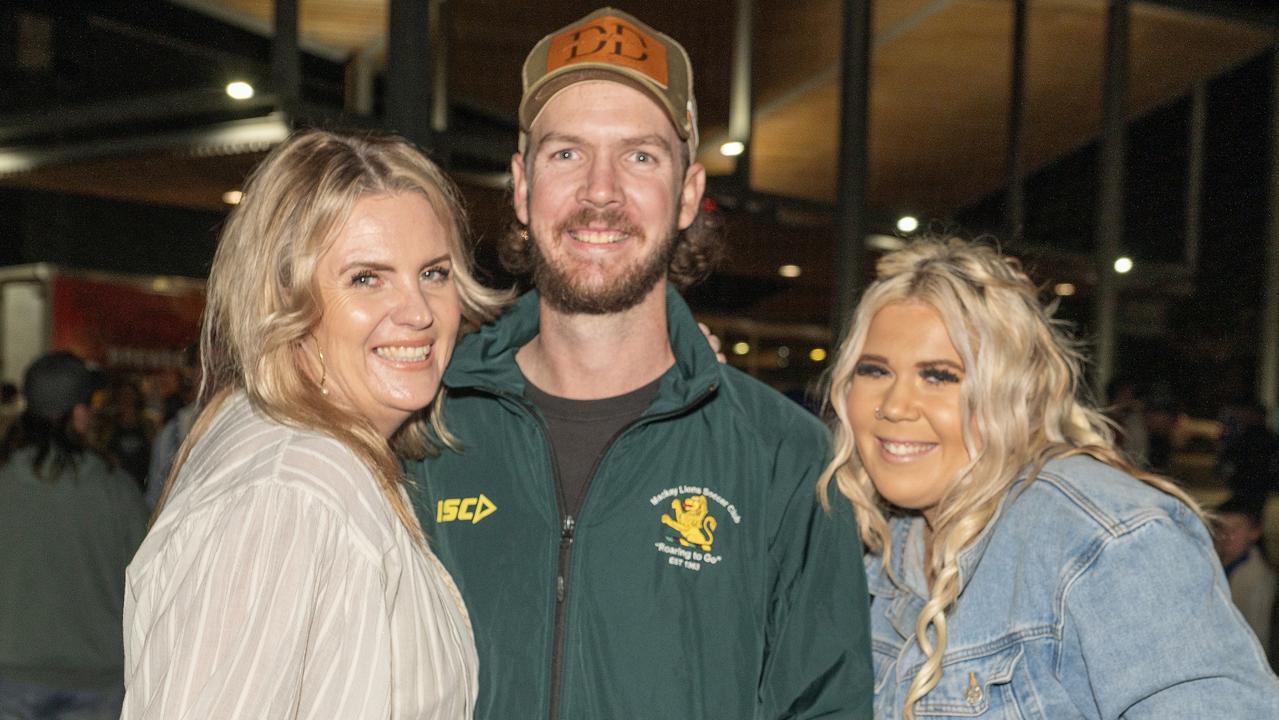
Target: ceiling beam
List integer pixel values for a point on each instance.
(1247, 11)
(59, 121)
(260, 26)
(229, 138)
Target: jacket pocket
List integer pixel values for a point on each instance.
(980, 686)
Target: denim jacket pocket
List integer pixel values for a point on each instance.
(884, 654)
(977, 686)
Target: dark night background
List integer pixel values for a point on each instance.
(1206, 352)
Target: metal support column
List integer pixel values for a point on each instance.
(408, 70)
(360, 72)
(854, 135)
(286, 61)
(1268, 371)
(1016, 205)
(1110, 214)
(739, 107)
(440, 79)
(1194, 175)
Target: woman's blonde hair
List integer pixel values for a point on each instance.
(1022, 388)
(264, 301)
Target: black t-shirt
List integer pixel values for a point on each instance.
(580, 432)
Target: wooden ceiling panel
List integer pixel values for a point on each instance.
(939, 84)
(795, 151)
(940, 89)
(351, 25)
(794, 44)
(1169, 52)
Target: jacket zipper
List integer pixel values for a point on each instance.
(568, 525)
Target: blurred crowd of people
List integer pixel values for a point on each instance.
(137, 421)
(77, 451)
(1244, 465)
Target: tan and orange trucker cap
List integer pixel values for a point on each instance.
(609, 44)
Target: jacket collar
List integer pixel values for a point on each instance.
(485, 359)
(909, 592)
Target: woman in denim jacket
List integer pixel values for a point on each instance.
(1019, 565)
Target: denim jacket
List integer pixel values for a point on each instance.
(1089, 595)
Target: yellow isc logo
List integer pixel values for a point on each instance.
(474, 509)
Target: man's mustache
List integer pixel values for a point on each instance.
(611, 219)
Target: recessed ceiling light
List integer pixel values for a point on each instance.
(732, 148)
(789, 271)
(239, 90)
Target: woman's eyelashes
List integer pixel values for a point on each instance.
(932, 374)
(869, 370)
(434, 275)
(437, 274)
(939, 375)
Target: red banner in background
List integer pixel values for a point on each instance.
(125, 323)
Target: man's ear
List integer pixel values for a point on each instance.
(690, 195)
(519, 187)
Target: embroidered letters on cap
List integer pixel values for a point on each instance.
(609, 39)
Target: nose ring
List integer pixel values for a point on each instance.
(879, 415)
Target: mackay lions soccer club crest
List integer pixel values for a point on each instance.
(692, 519)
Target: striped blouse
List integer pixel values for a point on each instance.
(278, 583)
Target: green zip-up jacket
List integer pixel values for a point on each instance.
(702, 579)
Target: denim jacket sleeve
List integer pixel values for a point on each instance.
(1150, 631)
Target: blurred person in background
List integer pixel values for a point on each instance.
(1162, 411)
(69, 523)
(286, 575)
(1236, 534)
(126, 434)
(10, 407)
(1019, 565)
(170, 437)
(1249, 460)
(1129, 414)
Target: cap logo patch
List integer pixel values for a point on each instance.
(612, 40)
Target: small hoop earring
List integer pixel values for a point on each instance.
(324, 371)
(879, 415)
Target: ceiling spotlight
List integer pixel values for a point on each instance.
(789, 271)
(1064, 289)
(741, 348)
(732, 148)
(232, 197)
(817, 354)
(907, 223)
(239, 90)
(1123, 265)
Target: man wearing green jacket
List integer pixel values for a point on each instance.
(633, 526)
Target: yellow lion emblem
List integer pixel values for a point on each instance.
(692, 522)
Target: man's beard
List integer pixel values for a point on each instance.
(567, 294)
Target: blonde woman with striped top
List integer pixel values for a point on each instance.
(285, 575)
(1019, 566)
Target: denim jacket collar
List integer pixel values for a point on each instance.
(909, 591)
